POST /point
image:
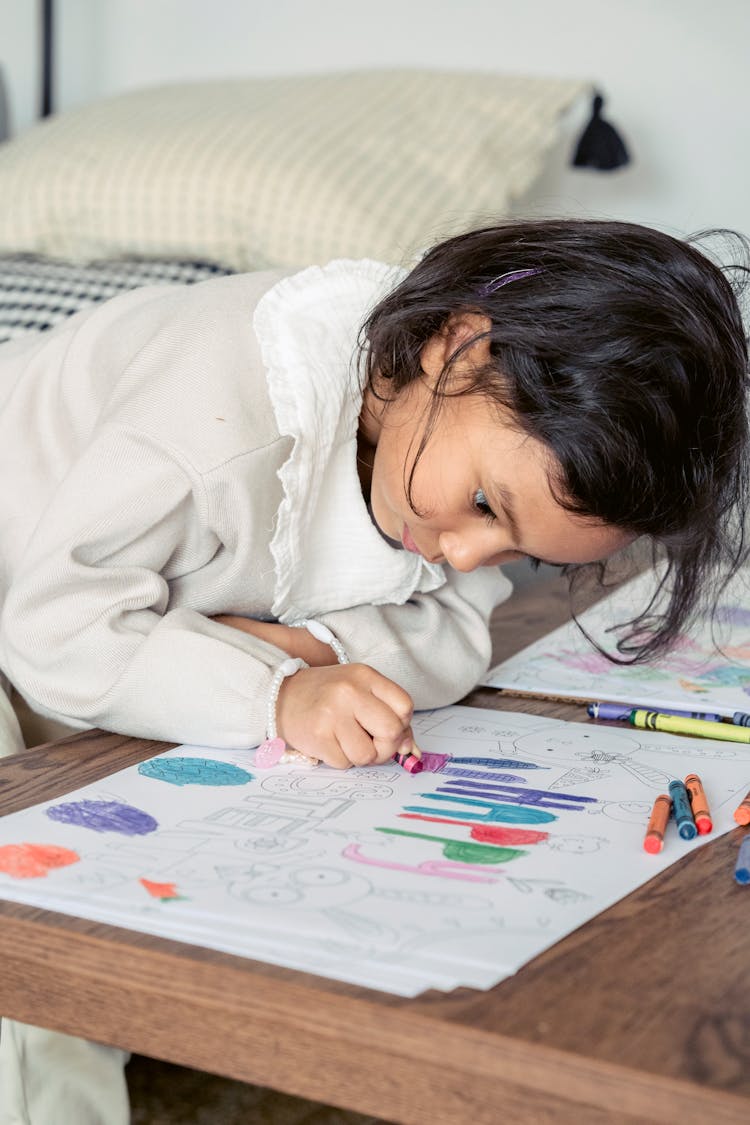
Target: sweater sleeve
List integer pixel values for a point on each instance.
(436, 646)
(87, 632)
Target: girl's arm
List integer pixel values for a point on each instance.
(295, 642)
(89, 635)
(437, 646)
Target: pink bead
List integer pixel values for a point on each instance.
(269, 753)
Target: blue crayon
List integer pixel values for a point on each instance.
(683, 813)
(620, 712)
(742, 867)
(741, 719)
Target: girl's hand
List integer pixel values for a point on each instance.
(347, 715)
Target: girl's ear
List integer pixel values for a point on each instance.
(459, 330)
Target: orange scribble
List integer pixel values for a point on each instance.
(33, 861)
(688, 685)
(160, 890)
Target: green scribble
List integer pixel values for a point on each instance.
(463, 851)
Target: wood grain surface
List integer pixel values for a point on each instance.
(640, 1015)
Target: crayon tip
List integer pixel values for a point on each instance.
(653, 844)
(704, 824)
(742, 816)
(688, 830)
(742, 875)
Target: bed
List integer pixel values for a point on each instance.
(183, 182)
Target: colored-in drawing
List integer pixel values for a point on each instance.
(491, 811)
(711, 662)
(445, 869)
(194, 771)
(104, 816)
(33, 861)
(486, 833)
(461, 850)
(436, 763)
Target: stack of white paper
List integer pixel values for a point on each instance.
(520, 829)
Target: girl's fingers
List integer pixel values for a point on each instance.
(344, 715)
(399, 701)
(356, 744)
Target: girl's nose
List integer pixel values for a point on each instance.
(463, 552)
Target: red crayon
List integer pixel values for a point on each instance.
(657, 824)
(698, 804)
(742, 812)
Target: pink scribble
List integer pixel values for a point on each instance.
(433, 763)
(443, 868)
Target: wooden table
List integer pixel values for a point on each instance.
(643, 1014)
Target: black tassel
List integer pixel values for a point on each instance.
(600, 146)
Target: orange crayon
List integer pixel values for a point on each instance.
(742, 812)
(657, 824)
(698, 804)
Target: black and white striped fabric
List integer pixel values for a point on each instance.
(37, 293)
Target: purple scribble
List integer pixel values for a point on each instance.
(104, 816)
(733, 615)
(433, 763)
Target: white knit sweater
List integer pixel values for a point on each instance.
(180, 452)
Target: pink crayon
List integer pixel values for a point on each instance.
(409, 762)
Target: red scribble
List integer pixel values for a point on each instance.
(487, 833)
(33, 861)
(160, 890)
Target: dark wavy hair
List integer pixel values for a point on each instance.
(625, 354)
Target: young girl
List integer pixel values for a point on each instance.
(208, 481)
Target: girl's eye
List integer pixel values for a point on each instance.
(481, 505)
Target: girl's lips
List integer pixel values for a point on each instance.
(408, 542)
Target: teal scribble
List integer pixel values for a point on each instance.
(194, 771)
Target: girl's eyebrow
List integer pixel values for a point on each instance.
(507, 504)
(502, 498)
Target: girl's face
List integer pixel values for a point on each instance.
(481, 488)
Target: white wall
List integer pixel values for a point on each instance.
(675, 71)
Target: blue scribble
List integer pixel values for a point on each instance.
(492, 814)
(104, 816)
(497, 763)
(194, 771)
(482, 775)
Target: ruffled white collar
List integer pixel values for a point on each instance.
(328, 553)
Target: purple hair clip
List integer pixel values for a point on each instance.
(505, 279)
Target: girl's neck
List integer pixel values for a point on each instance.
(365, 460)
(367, 440)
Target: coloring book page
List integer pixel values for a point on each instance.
(519, 830)
(708, 669)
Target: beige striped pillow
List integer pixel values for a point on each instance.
(279, 171)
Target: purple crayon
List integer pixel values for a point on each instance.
(620, 712)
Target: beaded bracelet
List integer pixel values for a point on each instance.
(274, 750)
(323, 633)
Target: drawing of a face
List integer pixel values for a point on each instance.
(630, 812)
(605, 745)
(315, 887)
(575, 845)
